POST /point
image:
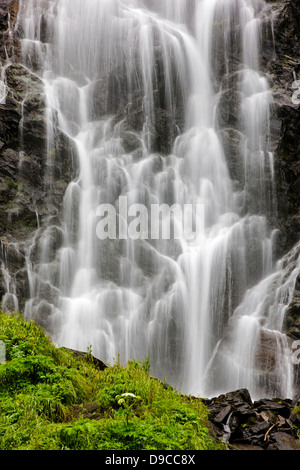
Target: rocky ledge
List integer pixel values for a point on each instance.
(267, 424)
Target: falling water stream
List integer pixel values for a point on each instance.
(114, 72)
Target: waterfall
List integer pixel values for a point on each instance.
(141, 88)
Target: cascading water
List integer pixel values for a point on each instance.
(123, 80)
(254, 350)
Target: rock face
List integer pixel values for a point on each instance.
(281, 62)
(24, 201)
(261, 425)
(8, 16)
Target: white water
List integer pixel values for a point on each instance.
(167, 300)
(254, 350)
(9, 302)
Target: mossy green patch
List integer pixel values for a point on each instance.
(50, 399)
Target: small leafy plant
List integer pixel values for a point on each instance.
(127, 401)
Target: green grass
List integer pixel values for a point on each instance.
(51, 399)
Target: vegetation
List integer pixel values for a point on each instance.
(51, 399)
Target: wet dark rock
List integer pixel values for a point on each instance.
(281, 62)
(229, 107)
(267, 424)
(232, 141)
(98, 95)
(21, 157)
(50, 238)
(12, 256)
(25, 167)
(8, 12)
(164, 132)
(131, 141)
(45, 311)
(292, 319)
(281, 407)
(283, 441)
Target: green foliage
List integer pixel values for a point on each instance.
(296, 410)
(51, 399)
(127, 402)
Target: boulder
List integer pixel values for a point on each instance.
(283, 441)
(260, 425)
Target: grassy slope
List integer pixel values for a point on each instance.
(52, 400)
